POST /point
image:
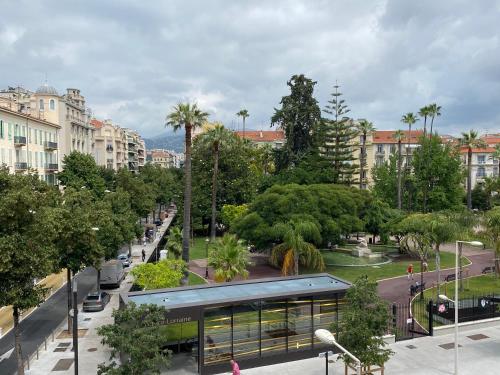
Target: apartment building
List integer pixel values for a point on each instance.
(28, 141)
(164, 158)
(111, 146)
(484, 164)
(274, 138)
(136, 150)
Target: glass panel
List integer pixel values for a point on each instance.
(217, 335)
(324, 315)
(246, 330)
(181, 337)
(273, 328)
(299, 324)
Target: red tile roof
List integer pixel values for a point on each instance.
(387, 136)
(463, 150)
(491, 139)
(96, 123)
(263, 135)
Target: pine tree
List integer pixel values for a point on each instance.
(339, 140)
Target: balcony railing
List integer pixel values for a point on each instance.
(380, 152)
(21, 166)
(50, 145)
(51, 166)
(109, 148)
(19, 140)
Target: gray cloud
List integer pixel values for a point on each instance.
(134, 60)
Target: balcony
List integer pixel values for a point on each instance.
(50, 146)
(51, 167)
(109, 160)
(19, 140)
(109, 148)
(76, 120)
(380, 152)
(21, 166)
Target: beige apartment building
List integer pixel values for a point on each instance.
(28, 141)
(164, 158)
(136, 150)
(111, 147)
(484, 164)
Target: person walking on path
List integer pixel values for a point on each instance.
(143, 255)
(236, 368)
(409, 271)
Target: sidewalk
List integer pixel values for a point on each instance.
(478, 354)
(58, 357)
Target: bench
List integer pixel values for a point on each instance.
(416, 288)
(489, 269)
(450, 277)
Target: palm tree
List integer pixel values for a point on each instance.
(243, 113)
(434, 111)
(424, 112)
(364, 127)
(214, 137)
(409, 119)
(191, 117)
(295, 247)
(470, 140)
(399, 135)
(174, 242)
(229, 258)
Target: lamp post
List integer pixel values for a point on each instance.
(75, 324)
(457, 245)
(327, 337)
(207, 241)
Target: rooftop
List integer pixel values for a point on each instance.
(387, 136)
(262, 135)
(238, 291)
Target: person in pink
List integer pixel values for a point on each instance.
(236, 368)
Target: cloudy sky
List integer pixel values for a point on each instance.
(133, 60)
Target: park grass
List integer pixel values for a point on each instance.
(394, 269)
(194, 279)
(473, 287)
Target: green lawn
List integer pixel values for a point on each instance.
(194, 279)
(396, 268)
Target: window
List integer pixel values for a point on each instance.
(379, 161)
(273, 328)
(481, 172)
(246, 329)
(299, 324)
(41, 105)
(380, 148)
(481, 159)
(1, 129)
(10, 132)
(52, 104)
(29, 135)
(218, 335)
(16, 130)
(393, 149)
(36, 136)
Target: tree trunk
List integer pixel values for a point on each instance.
(438, 269)
(362, 162)
(296, 262)
(243, 127)
(469, 178)
(17, 341)
(425, 126)
(432, 123)
(400, 202)
(461, 285)
(214, 192)
(69, 290)
(186, 229)
(497, 259)
(421, 279)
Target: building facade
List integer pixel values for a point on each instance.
(164, 158)
(111, 147)
(484, 163)
(28, 141)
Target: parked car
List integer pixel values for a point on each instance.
(96, 301)
(158, 222)
(125, 259)
(112, 273)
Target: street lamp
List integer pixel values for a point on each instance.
(457, 245)
(75, 324)
(327, 337)
(207, 241)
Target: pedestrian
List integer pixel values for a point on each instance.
(236, 368)
(143, 255)
(425, 266)
(144, 240)
(409, 271)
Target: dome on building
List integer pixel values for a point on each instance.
(46, 89)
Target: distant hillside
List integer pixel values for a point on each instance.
(171, 141)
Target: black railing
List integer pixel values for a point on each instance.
(50, 145)
(21, 166)
(51, 166)
(19, 140)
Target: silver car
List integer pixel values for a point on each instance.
(96, 301)
(125, 259)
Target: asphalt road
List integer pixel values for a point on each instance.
(43, 321)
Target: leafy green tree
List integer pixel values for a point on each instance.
(377, 214)
(28, 227)
(338, 142)
(243, 113)
(491, 232)
(364, 127)
(174, 242)
(470, 140)
(229, 258)
(190, 117)
(296, 248)
(434, 111)
(232, 212)
(399, 135)
(335, 209)
(438, 178)
(142, 195)
(162, 181)
(77, 242)
(136, 336)
(81, 172)
(480, 198)
(166, 273)
(364, 322)
(299, 117)
(108, 175)
(385, 181)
